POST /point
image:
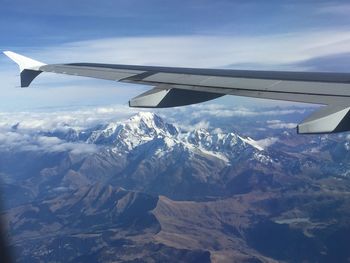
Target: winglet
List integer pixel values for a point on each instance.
(29, 68)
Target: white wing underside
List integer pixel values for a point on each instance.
(183, 86)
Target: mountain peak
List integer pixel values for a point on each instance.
(150, 123)
(144, 115)
(150, 119)
(138, 129)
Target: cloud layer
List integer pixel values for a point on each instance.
(18, 141)
(25, 131)
(32, 131)
(203, 51)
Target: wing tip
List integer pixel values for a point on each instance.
(29, 68)
(24, 62)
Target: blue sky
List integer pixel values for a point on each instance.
(286, 35)
(36, 23)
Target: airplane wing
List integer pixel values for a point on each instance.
(183, 86)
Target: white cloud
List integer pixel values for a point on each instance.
(33, 142)
(277, 124)
(216, 110)
(76, 118)
(203, 51)
(27, 131)
(88, 117)
(27, 136)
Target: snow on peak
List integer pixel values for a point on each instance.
(150, 123)
(138, 129)
(147, 127)
(214, 142)
(252, 142)
(147, 117)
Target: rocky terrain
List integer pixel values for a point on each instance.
(143, 190)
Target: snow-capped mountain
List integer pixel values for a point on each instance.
(143, 153)
(133, 132)
(146, 127)
(146, 153)
(83, 187)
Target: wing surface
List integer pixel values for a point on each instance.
(183, 86)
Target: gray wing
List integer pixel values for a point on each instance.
(183, 86)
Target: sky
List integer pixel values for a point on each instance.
(278, 35)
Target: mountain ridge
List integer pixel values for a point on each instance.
(148, 191)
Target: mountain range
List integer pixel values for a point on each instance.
(144, 190)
